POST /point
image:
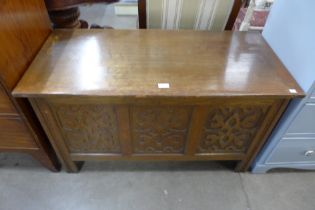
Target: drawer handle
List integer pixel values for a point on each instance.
(309, 153)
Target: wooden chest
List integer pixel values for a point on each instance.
(157, 95)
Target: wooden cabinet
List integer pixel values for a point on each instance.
(24, 27)
(15, 135)
(165, 95)
(6, 106)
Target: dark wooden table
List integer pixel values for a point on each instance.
(157, 95)
(66, 13)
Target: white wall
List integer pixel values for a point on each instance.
(290, 31)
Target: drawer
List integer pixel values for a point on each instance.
(312, 97)
(304, 123)
(294, 150)
(6, 106)
(15, 135)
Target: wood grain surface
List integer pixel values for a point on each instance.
(24, 28)
(133, 62)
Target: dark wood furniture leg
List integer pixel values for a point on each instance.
(66, 18)
(66, 14)
(142, 14)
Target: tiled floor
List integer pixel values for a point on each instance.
(24, 184)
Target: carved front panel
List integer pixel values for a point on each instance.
(160, 129)
(89, 128)
(231, 129)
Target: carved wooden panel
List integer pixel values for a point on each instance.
(89, 128)
(160, 129)
(231, 129)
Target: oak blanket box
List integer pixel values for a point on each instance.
(157, 95)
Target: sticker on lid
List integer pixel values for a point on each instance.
(293, 91)
(163, 85)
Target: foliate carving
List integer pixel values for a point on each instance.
(231, 129)
(89, 128)
(160, 129)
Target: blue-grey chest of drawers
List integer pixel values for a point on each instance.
(292, 143)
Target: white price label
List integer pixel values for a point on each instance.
(163, 85)
(293, 91)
